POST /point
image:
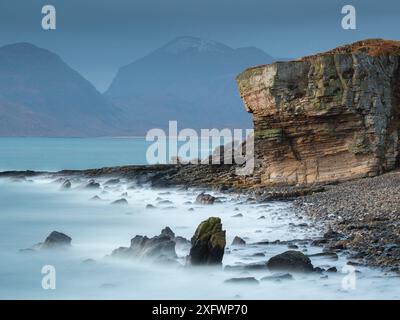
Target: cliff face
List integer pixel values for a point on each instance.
(329, 117)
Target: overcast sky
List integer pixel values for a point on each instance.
(96, 37)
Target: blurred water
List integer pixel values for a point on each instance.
(53, 154)
(30, 210)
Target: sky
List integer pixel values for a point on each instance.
(96, 37)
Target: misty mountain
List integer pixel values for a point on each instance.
(190, 80)
(42, 96)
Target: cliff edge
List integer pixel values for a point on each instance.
(329, 117)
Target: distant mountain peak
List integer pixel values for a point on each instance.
(185, 43)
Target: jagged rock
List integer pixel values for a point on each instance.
(57, 239)
(290, 261)
(54, 240)
(204, 198)
(237, 241)
(150, 206)
(168, 232)
(95, 198)
(120, 202)
(159, 248)
(208, 243)
(66, 185)
(329, 117)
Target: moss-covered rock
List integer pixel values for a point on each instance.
(208, 243)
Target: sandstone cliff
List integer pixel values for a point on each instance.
(329, 117)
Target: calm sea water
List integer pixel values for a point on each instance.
(54, 154)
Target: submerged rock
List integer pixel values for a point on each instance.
(121, 201)
(111, 182)
(66, 185)
(204, 198)
(92, 185)
(244, 280)
(208, 243)
(238, 215)
(290, 261)
(159, 248)
(237, 241)
(278, 277)
(55, 240)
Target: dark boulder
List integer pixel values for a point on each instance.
(208, 243)
(57, 239)
(237, 241)
(204, 198)
(290, 261)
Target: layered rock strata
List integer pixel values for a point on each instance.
(329, 117)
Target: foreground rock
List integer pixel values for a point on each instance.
(329, 117)
(55, 240)
(160, 249)
(208, 243)
(291, 260)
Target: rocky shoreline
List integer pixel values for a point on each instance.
(362, 214)
(366, 212)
